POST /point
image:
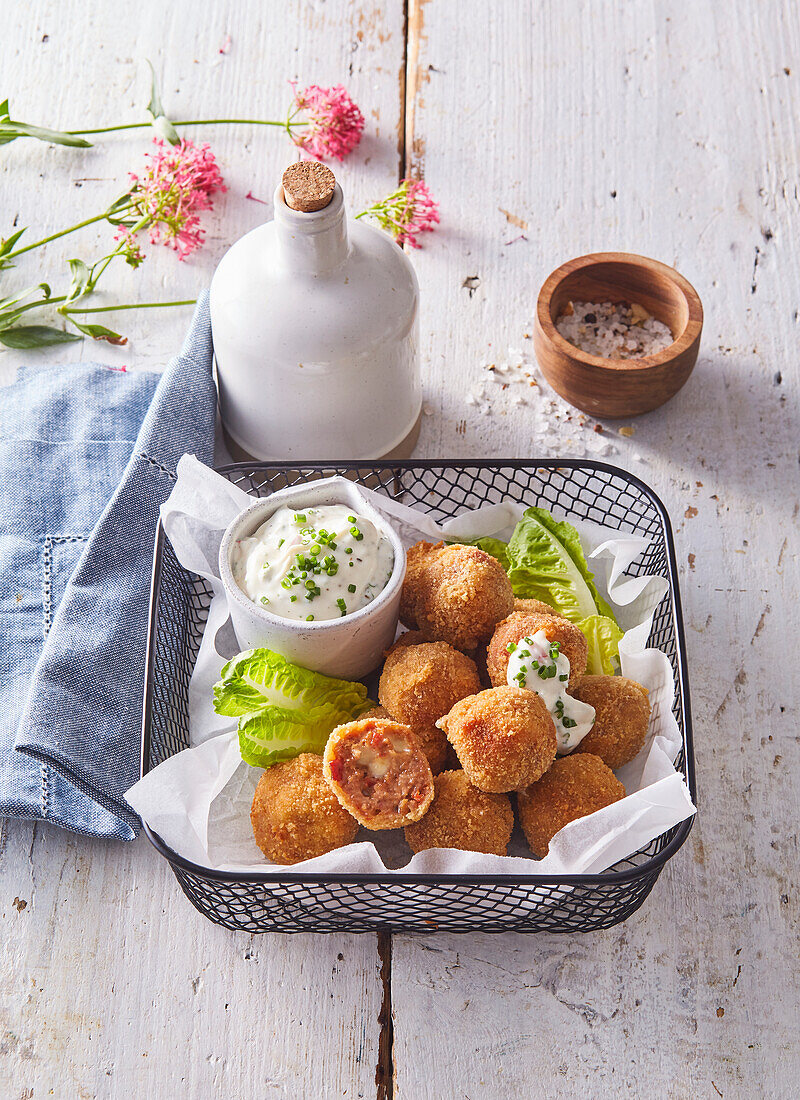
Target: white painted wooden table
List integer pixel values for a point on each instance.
(668, 129)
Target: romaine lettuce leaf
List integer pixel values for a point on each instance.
(283, 709)
(603, 636)
(546, 562)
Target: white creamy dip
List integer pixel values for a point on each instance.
(313, 564)
(536, 664)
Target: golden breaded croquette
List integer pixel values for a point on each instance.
(295, 815)
(463, 817)
(420, 683)
(520, 625)
(535, 607)
(455, 594)
(410, 637)
(504, 738)
(622, 715)
(376, 712)
(416, 558)
(378, 772)
(574, 786)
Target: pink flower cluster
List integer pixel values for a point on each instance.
(172, 193)
(408, 211)
(334, 122)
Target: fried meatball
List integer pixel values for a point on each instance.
(379, 773)
(504, 738)
(375, 712)
(295, 815)
(520, 625)
(535, 607)
(411, 637)
(420, 683)
(573, 787)
(463, 817)
(622, 715)
(455, 594)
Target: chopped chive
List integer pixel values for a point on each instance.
(351, 588)
(341, 605)
(264, 599)
(511, 647)
(568, 723)
(299, 517)
(351, 519)
(563, 679)
(293, 599)
(280, 543)
(314, 551)
(309, 618)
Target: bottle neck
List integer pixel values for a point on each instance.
(315, 242)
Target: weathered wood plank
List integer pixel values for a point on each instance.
(669, 130)
(112, 985)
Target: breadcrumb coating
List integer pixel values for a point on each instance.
(454, 594)
(574, 786)
(420, 683)
(622, 716)
(535, 607)
(295, 815)
(504, 738)
(463, 817)
(519, 625)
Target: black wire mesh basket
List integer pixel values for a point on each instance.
(287, 901)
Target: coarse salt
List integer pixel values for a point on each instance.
(613, 330)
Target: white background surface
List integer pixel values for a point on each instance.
(669, 130)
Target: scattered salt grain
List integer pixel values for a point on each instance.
(613, 330)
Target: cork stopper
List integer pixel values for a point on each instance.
(308, 185)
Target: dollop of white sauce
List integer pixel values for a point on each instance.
(313, 564)
(537, 664)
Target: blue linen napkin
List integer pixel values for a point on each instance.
(87, 456)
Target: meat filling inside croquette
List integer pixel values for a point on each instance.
(380, 770)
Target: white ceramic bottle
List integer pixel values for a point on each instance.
(316, 332)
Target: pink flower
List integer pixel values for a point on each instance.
(173, 191)
(409, 210)
(334, 122)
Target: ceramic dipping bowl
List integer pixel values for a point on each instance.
(618, 387)
(348, 647)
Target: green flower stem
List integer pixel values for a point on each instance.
(192, 122)
(55, 236)
(129, 305)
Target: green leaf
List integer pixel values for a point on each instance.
(161, 124)
(283, 709)
(100, 332)
(9, 315)
(79, 283)
(35, 336)
(9, 130)
(603, 637)
(546, 562)
(7, 243)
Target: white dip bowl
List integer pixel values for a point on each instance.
(347, 647)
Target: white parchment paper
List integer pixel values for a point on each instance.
(199, 800)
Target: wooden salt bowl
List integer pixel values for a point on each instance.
(618, 387)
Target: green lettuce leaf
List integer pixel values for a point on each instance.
(546, 562)
(283, 709)
(603, 636)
